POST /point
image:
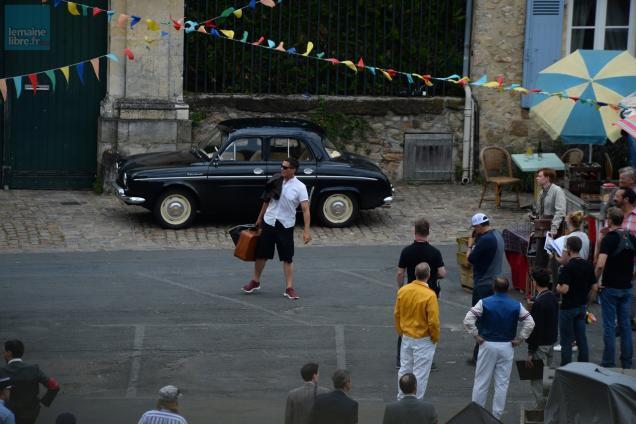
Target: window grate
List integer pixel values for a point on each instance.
(428, 157)
(545, 7)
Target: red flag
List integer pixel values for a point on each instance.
(360, 63)
(536, 90)
(333, 60)
(575, 99)
(259, 42)
(34, 82)
(500, 81)
(391, 72)
(209, 23)
(176, 24)
(97, 11)
(129, 54)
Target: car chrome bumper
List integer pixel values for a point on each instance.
(130, 200)
(387, 202)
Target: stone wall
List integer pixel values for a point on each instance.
(387, 118)
(497, 48)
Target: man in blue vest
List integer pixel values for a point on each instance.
(485, 254)
(498, 316)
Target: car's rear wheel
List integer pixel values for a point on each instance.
(338, 210)
(175, 209)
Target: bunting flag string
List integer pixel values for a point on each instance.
(33, 77)
(228, 34)
(152, 24)
(390, 74)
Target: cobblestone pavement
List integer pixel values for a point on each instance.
(44, 221)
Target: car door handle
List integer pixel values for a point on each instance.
(308, 171)
(258, 171)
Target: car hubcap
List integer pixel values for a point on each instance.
(175, 209)
(338, 208)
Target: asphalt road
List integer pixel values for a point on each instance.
(113, 327)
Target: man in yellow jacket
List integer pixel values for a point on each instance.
(417, 321)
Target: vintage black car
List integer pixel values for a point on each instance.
(227, 174)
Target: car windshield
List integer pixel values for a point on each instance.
(215, 139)
(331, 149)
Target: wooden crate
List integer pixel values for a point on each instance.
(465, 271)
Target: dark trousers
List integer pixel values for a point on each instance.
(480, 292)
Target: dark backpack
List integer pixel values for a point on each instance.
(624, 243)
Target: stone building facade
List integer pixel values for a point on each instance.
(497, 49)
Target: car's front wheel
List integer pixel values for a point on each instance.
(338, 210)
(175, 209)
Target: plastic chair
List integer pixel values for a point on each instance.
(496, 169)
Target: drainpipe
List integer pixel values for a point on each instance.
(468, 140)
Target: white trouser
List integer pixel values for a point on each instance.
(416, 356)
(494, 358)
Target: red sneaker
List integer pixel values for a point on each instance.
(291, 293)
(251, 286)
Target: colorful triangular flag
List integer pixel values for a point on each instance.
(51, 75)
(202, 29)
(72, 8)
(97, 11)
(66, 72)
(33, 79)
(259, 41)
(80, 71)
(17, 82)
(129, 54)
(152, 25)
(268, 3)
(134, 20)
(113, 57)
(310, 47)
(238, 13)
(228, 33)
(95, 64)
(350, 65)
(122, 20)
(244, 38)
(3, 89)
(227, 12)
(110, 14)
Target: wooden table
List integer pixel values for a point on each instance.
(534, 163)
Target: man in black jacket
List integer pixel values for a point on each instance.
(410, 409)
(545, 313)
(25, 400)
(336, 407)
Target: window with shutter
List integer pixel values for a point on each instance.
(544, 29)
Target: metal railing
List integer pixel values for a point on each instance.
(420, 36)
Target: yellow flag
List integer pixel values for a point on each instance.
(95, 64)
(72, 8)
(228, 33)
(491, 84)
(350, 65)
(66, 72)
(152, 25)
(238, 13)
(521, 90)
(386, 74)
(310, 47)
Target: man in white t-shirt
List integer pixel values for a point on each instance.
(277, 220)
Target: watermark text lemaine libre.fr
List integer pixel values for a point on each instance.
(27, 36)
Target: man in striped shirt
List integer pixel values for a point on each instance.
(625, 199)
(167, 411)
(498, 316)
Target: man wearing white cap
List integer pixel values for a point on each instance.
(485, 254)
(6, 416)
(167, 411)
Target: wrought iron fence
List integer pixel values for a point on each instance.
(420, 36)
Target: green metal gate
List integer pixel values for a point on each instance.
(49, 140)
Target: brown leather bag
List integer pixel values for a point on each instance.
(246, 246)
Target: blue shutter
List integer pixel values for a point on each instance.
(544, 31)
